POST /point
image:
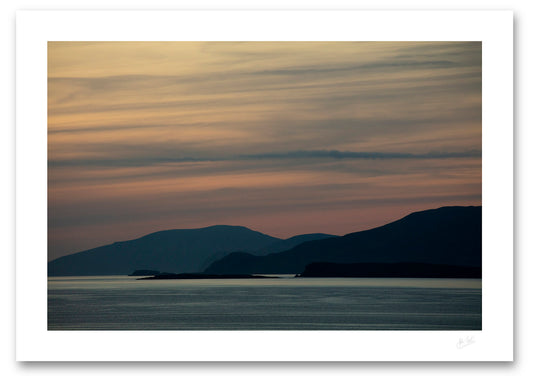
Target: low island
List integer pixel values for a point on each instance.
(389, 270)
(204, 276)
(144, 272)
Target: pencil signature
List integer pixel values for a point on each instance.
(463, 342)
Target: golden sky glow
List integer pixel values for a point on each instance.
(282, 137)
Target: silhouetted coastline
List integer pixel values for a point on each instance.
(204, 276)
(388, 270)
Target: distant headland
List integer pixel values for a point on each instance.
(204, 276)
(435, 243)
(144, 272)
(389, 270)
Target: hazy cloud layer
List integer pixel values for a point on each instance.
(283, 137)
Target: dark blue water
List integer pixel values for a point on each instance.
(124, 303)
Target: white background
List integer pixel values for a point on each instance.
(523, 305)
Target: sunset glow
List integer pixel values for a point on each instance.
(285, 138)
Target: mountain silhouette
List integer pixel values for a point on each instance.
(284, 245)
(177, 251)
(446, 236)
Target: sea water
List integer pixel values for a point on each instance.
(286, 303)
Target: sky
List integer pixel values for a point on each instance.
(284, 138)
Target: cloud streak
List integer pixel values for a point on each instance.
(335, 154)
(289, 155)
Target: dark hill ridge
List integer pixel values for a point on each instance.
(448, 235)
(276, 246)
(284, 245)
(178, 251)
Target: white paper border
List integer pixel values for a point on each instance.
(36, 28)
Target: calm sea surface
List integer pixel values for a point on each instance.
(124, 303)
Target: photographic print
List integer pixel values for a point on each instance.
(264, 185)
